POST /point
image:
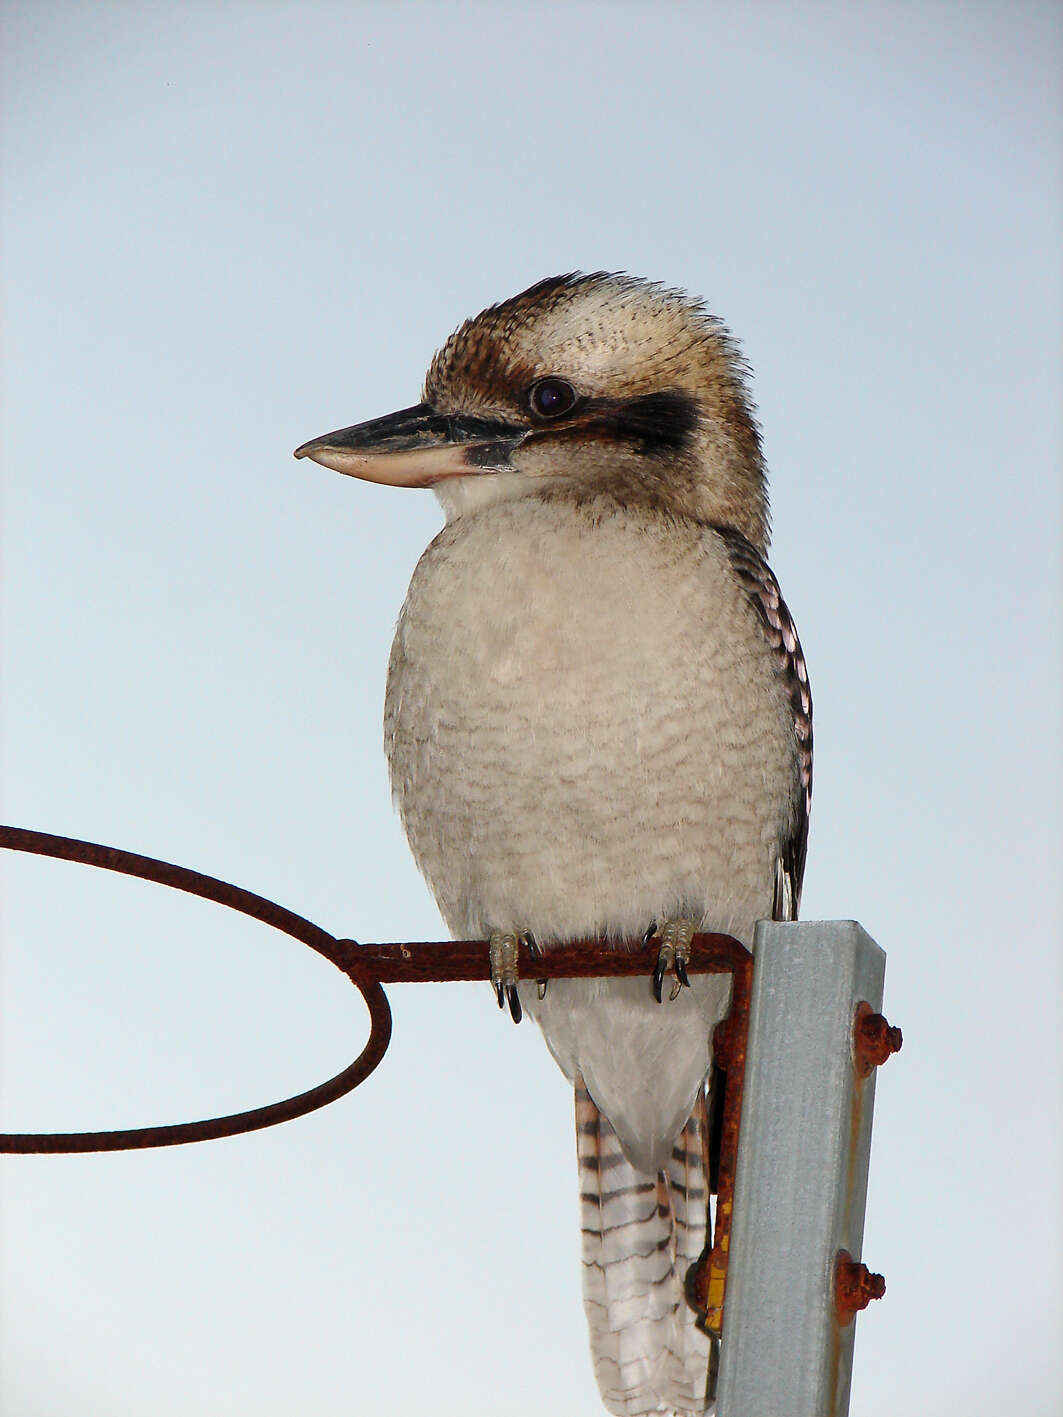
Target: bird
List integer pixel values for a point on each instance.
(598, 725)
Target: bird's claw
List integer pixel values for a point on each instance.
(674, 954)
(504, 948)
(536, 950)
(665, 958)
(504, 945)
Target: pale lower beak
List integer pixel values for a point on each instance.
(417, 447)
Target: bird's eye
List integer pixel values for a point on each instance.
(550, 398)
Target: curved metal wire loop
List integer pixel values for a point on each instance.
(147, 868)
(367, 966)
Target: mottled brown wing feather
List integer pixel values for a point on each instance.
(760, 585)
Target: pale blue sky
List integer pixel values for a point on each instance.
(227, 228)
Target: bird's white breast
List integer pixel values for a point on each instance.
(586, 733)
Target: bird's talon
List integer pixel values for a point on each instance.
(536, 949)
(674, 954)
(504, 949)
(665, 958)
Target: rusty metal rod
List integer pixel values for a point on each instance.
(450, 960)
(163, 873)
(212, 1128)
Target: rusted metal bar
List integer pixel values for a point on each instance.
(424, 962)
(706, 1282)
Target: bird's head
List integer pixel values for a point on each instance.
(582, 386)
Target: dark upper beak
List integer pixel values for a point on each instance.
(417, 447)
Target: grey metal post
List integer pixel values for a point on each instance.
(801, 1177)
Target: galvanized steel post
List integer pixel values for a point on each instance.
(801, 1182)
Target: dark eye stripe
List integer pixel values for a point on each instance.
(663, 423)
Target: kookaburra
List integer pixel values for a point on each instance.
(598, 724)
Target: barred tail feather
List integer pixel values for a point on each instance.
(641, 1233)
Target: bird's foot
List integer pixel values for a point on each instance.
(674, 954)
(504, 947)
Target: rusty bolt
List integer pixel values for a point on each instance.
(873, 1039)
(696, 1283)
(854, 1287)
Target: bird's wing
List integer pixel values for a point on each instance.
(641, 1233)
(762, 589)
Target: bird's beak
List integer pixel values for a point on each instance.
(417, 447)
